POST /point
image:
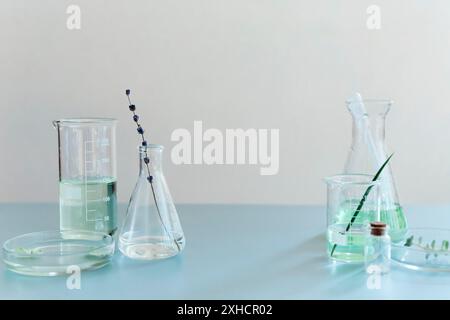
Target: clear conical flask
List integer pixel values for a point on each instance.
(151, 229)
(367, 154)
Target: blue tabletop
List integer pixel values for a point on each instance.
(232, 252)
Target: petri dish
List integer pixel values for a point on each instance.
(53, 253)
(424, 249)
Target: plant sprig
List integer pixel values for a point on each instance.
(429, 247)
(362, 201)
(146, 159)
(140, 131)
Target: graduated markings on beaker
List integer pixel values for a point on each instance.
(92, 214)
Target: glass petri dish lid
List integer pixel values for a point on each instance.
(51, 253)
(424, 249)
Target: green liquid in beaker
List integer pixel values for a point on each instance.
(350, 244)
(88, 205)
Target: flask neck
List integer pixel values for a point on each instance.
(154, 155)
(365, 125)
(369, 117)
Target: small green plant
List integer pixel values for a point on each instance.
(431, 247)
(363, 200)
(28, 252)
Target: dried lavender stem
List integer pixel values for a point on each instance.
(147, 161)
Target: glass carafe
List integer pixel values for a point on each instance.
(87, 174)
(367, 154)
(151, 229)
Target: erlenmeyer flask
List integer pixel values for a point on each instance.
(151, 229)
(368, 153)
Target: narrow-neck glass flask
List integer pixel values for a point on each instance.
(151, 229)
(367, 154)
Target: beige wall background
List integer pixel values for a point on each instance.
(286, 64)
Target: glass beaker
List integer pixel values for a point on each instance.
(367, 154)
(87, 174)
(353, 201)
(151, 229)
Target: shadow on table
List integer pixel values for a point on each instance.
(278, 274)
(323, 277)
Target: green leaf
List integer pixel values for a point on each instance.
(409, 241)
(28, 252)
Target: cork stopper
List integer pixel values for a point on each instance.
(377, 228)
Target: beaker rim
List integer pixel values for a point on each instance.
(372, 101)
(84, 121)
(353, 178)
